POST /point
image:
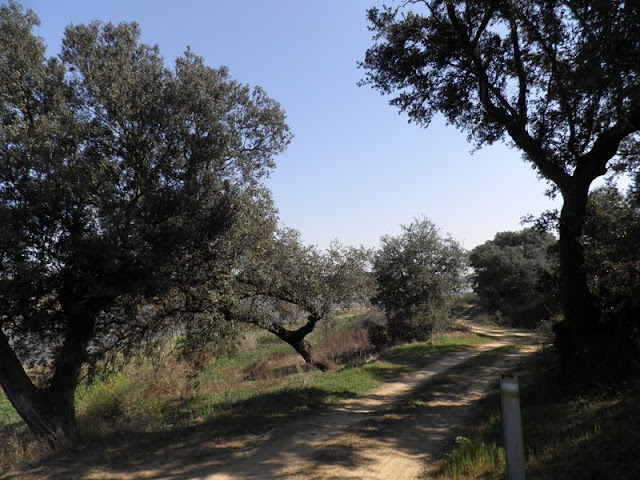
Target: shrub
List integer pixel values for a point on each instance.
(418, 273)
(347, 346)
(516, 275)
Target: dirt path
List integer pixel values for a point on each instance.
(367, 438)
(389, 434)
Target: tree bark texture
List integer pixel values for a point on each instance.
(576, 336)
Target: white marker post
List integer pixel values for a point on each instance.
(512, 427)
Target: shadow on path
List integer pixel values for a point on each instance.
(386, 434)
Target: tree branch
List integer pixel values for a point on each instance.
(594, 163)
(483, 25)
(565, 105)
(517, 131)
(522, 77)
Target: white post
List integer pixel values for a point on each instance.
(512, 427)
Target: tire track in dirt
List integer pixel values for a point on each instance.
(370, 437)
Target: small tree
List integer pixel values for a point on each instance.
(418, 273)
(283, 270)
(516, 274)
(118, 182)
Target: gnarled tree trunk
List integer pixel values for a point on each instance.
(296, 338)
(48, 411)
(575, 336)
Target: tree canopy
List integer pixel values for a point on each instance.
(118, 182)
(280, 271)
(417, 273)
(559, 79)
(515, 274)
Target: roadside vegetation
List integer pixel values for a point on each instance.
(569, 430)
(243, 394)
(147, 286)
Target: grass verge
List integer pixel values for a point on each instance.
(567, 433)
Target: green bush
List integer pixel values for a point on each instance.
(515, 274)
(418, 273)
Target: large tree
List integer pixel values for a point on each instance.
(560, 79)
(119, 178)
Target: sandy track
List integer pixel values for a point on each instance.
(370, 437)
(359, 439)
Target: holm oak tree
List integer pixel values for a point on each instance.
(560, 79)
(118, 180)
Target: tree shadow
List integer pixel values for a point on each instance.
(419, 354)
(229, 441)
(235, 433)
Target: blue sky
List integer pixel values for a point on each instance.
(356, 169)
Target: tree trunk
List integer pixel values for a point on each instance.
(50, 411)
(297, 340)
(575, 336)
(30, 402)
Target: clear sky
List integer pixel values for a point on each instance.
(355, 170)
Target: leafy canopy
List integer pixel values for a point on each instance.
(119, 177)
(417, 273)
(561, 78)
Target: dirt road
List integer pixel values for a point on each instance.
(370, 437)
(389, 434)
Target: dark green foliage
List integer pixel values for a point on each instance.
(560, 80)
(612, 251)
(378, 334)
(612, 237)
(417, 273)
(119, 180)
(516, 274)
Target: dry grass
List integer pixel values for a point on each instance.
(350, 347)
(275, 366)
(265, 380)
(145, 396)
(21, 448)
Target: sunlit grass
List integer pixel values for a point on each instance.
(8, 415)
(307, 390)
(475, 458)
